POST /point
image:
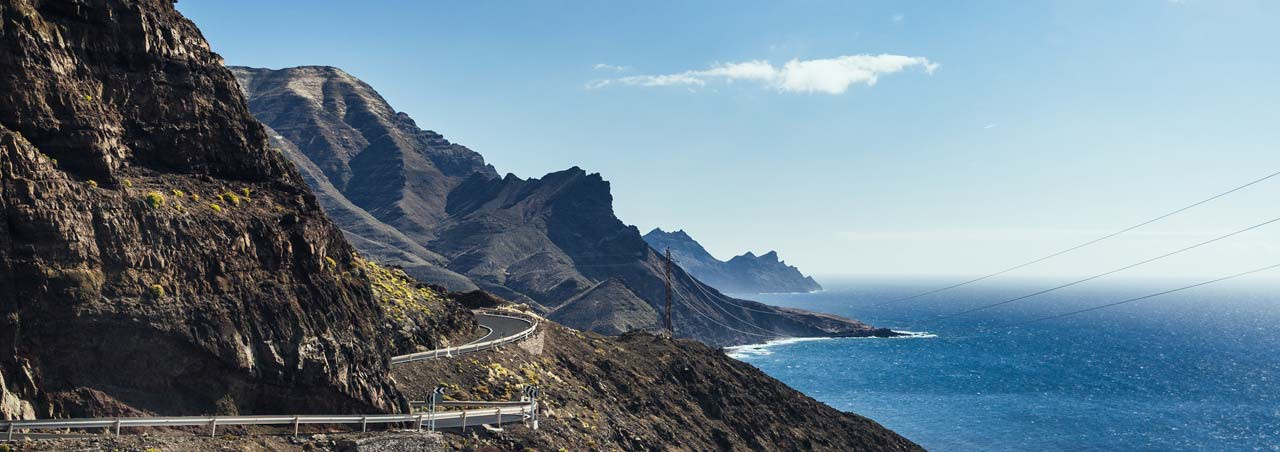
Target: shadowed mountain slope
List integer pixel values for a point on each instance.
(551, 242)
(155, 254)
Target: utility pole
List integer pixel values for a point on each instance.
(670, 332)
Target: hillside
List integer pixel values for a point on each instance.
(409, 197)
(157, 256)
(746, 273)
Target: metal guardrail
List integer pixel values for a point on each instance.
(443, 419)
(493, 413)
(469, 348)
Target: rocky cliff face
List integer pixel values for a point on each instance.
(746, 273)
(409, 197)
(156, 255)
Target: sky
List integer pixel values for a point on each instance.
(855, 138)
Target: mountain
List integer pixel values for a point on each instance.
(157, 256)
(747, 273)
(410, 197)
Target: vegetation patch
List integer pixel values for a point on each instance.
(230, 199)
(397, 292)
(215, 207)
(155, 199)
(157, 291)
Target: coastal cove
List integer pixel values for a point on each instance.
(1188, 371)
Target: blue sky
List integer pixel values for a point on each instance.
(995, 131)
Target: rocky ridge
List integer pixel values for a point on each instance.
(409, 197)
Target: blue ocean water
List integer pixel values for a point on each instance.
(1194, 370)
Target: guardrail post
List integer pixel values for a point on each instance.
(464, 420)
(213, 427)
(499, 410)
(419, 422)
(364, 424)
(295, 425)
(10, 432)
(117, 427)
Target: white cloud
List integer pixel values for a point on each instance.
(827, 75)
(610, 67)
(898, 18)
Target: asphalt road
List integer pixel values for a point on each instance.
(499, 326)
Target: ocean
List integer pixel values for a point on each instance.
(1193, 370)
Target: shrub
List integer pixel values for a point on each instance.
(178, 193)
(215, 207)
(157, 290)
(93, 183)
(55, 161)
(230, 198)
(128, 183)
(155, 199)
(245, 191)
(332, 263)
(195, 197)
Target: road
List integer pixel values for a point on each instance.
(499, 326)
(502, 330)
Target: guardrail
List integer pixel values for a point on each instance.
(443, 419)
(469, 348)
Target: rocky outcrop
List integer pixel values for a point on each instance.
(156, 255)
(409, 197)
(746, 273)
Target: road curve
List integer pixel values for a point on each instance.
(499, 326)
(503, 329)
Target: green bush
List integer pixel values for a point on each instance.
(215, 207)
(178, 193)
(332, 263)
(245, 191)
(93, 183)
(128, 183)
(155, 199)
(230, 198)
(157, 290)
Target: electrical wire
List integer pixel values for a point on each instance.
(1162, 256)
(1082, 245)
(1144, 297)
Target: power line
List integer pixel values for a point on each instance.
(730, 314)
(1082, 245)
(1144, 297)
(717, 322)
(1162, 256)
(725, 300)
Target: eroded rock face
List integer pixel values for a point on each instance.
(155, 254)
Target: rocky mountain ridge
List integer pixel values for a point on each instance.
(745, 273)
(409, 197)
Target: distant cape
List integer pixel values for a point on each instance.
(746, 273)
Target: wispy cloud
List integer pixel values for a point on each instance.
(610, 67)
(990, 126)
(827, 75)
(898, 18)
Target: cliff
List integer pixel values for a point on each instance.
(746, 273)
(156, 256)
